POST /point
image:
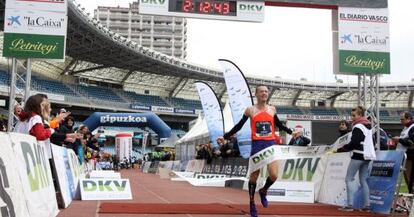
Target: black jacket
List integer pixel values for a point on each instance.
(355, 143)
(58, 138)
(299, 141)
(409, 143)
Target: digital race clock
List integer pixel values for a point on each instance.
(227, 8)
(252, 11)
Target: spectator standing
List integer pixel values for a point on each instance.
(405, 142)
(361, 139)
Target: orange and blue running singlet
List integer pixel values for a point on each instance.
(262, 124)
(263, 129)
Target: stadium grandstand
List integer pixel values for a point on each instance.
(104, 71)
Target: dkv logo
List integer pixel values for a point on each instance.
(153, 2)
(104, 186)
(36, 165)
(251, 7)
(301, 169)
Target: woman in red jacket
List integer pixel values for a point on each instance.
(34, 120)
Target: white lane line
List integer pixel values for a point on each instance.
(155, 194)
(97, 208)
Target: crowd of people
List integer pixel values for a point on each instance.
(208, 152)
(159, 156)
(35, 118)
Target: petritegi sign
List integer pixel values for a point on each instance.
(33, 46)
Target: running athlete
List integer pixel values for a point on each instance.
(262, 121)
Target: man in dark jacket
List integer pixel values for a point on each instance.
(299, 140)
(406, 143)
(64, 134)
(230, 149)
(361, 126)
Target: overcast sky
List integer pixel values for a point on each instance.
(291, 43)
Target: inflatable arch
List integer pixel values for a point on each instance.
(129, 120)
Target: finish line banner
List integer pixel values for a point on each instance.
(207, 180)
(284, 152)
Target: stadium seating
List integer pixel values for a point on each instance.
(49, 86)
(145, 100)
(103, 94)
(384, 113)
(5, 79)
(185, 103)
(323, 111)
(288, 110)
(100, 93)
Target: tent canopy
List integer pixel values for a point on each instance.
(200, 127)
(169, 143)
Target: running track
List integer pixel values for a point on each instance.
(149, 188)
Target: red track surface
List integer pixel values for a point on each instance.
(149, 188)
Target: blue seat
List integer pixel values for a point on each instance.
(323, 111)
(145, 100)
(100, 93)
(186, 103)
(288, 110)
(50, 86)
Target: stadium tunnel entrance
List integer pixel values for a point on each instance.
(147, 119)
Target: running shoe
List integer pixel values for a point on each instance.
(263, 198)
(253, 211)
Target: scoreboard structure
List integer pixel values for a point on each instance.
(248, 11)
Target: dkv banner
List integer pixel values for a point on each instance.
(105, 189)
(298, 165)
(12, 200)
(35, 174)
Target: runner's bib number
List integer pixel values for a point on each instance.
(263, 128)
